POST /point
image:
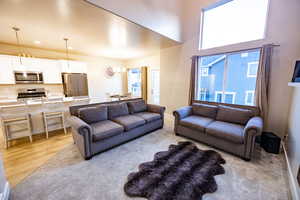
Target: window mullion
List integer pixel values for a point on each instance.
(224, 78)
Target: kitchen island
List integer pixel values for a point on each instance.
(36, 107)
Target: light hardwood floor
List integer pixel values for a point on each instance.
(22, 158)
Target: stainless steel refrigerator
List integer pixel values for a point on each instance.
(75, 84)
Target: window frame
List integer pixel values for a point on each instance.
(248, 69)
(220, 3)
(247, 92)
(226, 54)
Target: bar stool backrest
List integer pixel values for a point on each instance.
(54, 105)
(14, 111)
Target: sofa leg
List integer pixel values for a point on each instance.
(88, 158)
(246, 159)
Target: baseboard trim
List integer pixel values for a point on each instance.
(6, 192)
(292, 181)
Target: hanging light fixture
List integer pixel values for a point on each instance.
(16, 29)
(67, 54)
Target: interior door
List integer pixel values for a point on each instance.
(155, 88)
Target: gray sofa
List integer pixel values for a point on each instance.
(99, 127)
(228, 128)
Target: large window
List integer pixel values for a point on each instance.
(227, 79)
(233, 21)
(134, 82)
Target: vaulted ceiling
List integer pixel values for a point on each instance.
(91, 30)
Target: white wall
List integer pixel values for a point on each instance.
(163, 17)
(283, 28)
(293, 140)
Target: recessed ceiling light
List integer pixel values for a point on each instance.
(70, 48)
(37, 42)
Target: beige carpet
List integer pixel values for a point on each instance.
(67, 176)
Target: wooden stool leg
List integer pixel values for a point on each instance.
(29, 128)
(63, 123)
(6, 136)
(46, 126)
(30, 138)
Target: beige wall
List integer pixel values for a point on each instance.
(163, 17)
(293, 140)
(283, 28)
(150, 61)
(99, 83)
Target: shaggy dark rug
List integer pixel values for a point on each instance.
(182, 173)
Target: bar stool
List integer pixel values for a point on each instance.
(15, 122)
(53, 114)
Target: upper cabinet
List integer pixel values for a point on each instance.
(6, 75)
(73, 66)
(51, 69)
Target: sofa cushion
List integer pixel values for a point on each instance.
(137, 106)
(205, 110)
(117, 110)
(227, 131)
(196, 122)
(148, 116)
(93, 114)
(234, 115)
(129, 121)
(105, 129)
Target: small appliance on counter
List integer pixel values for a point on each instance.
(26, 93)
(75, 84)
(28, 77)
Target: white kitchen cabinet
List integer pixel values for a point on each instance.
(6, 75)
(73, 67)
(51, 71)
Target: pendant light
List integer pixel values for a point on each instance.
(67, 54)
(16, 29)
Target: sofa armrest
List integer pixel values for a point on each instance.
(82, 135)
(182, 112)
(255, 124)
(156, 109)
(253, 128)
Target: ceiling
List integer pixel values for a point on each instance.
(91, 30)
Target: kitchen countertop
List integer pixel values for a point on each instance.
(31, 102)
(4, 103)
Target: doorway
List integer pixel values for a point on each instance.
(154, 86)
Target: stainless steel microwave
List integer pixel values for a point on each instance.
(28, 77)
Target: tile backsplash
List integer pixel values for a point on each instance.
(11, 91)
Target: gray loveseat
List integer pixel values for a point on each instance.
(227, 128)
(99, 127)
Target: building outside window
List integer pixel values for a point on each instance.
(252, 69)
(249, 98)
(226, 81)
(134, 82)
(225, 97)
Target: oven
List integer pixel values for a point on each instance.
(28, 77)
